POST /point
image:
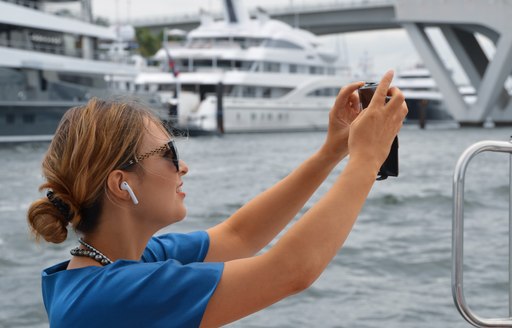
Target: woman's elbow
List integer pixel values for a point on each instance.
(303, 275)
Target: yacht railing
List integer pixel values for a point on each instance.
(458, 234)
(40, 6)
(56, 49)
(27, 3)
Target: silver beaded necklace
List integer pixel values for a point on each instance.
(91, 252)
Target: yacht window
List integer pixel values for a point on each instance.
(253, 42)
(323, 92)
(249, 92)
(293, 68)
(224, 63)
(246, 43)
(302, 69)
(257, 92)
(200, 43)
(28, 118)
(279, 92)
(76, 79)
(9, 118)
(272, 43)
(246, 65)
(224, 42)
(203, 63)
(166, 87)
(271, 67)
(237, 64)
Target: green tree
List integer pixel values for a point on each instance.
(102, 21)
(149, 43)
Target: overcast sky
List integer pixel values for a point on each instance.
(385, 49)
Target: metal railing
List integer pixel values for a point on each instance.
(458, 234)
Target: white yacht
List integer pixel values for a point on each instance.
(244, 74)
(423, 96)
(49, 63)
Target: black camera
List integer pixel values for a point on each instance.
(390, 166)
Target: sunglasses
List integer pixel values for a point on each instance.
(170, 152)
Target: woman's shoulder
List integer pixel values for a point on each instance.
(183, 247)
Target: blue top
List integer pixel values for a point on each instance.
(169, 287)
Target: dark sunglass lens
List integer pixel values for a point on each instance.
(174, 153)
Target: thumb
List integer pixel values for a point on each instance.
(346, 91)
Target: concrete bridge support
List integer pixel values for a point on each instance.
(459, 21)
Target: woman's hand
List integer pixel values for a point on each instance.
(373, 131)
(342, 114)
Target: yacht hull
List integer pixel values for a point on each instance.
(426, 109)
(31, 120)
(252, 116)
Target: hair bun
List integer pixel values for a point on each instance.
(47, 221)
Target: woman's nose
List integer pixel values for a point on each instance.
(183, 167)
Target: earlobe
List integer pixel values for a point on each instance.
(125, 186)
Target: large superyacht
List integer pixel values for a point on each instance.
(49, 63)
(244, 74)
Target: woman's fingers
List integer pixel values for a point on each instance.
(397, 104)
(396, 98)
(379, 97)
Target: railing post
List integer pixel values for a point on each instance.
(510, 236)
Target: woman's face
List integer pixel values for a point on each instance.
(159, 188)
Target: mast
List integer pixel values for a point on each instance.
(235, 12)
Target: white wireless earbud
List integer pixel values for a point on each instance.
(125, 186)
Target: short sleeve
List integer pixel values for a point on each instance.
(185, 248)
(136, 294)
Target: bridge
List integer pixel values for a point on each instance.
(458, 20)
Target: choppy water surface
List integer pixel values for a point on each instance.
(394, 270)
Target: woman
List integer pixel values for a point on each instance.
(114, 175)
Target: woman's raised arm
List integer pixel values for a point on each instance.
(254, 225)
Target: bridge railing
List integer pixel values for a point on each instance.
(294, 8)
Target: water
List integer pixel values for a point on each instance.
(394, 270)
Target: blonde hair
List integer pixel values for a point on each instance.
(90, 142)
